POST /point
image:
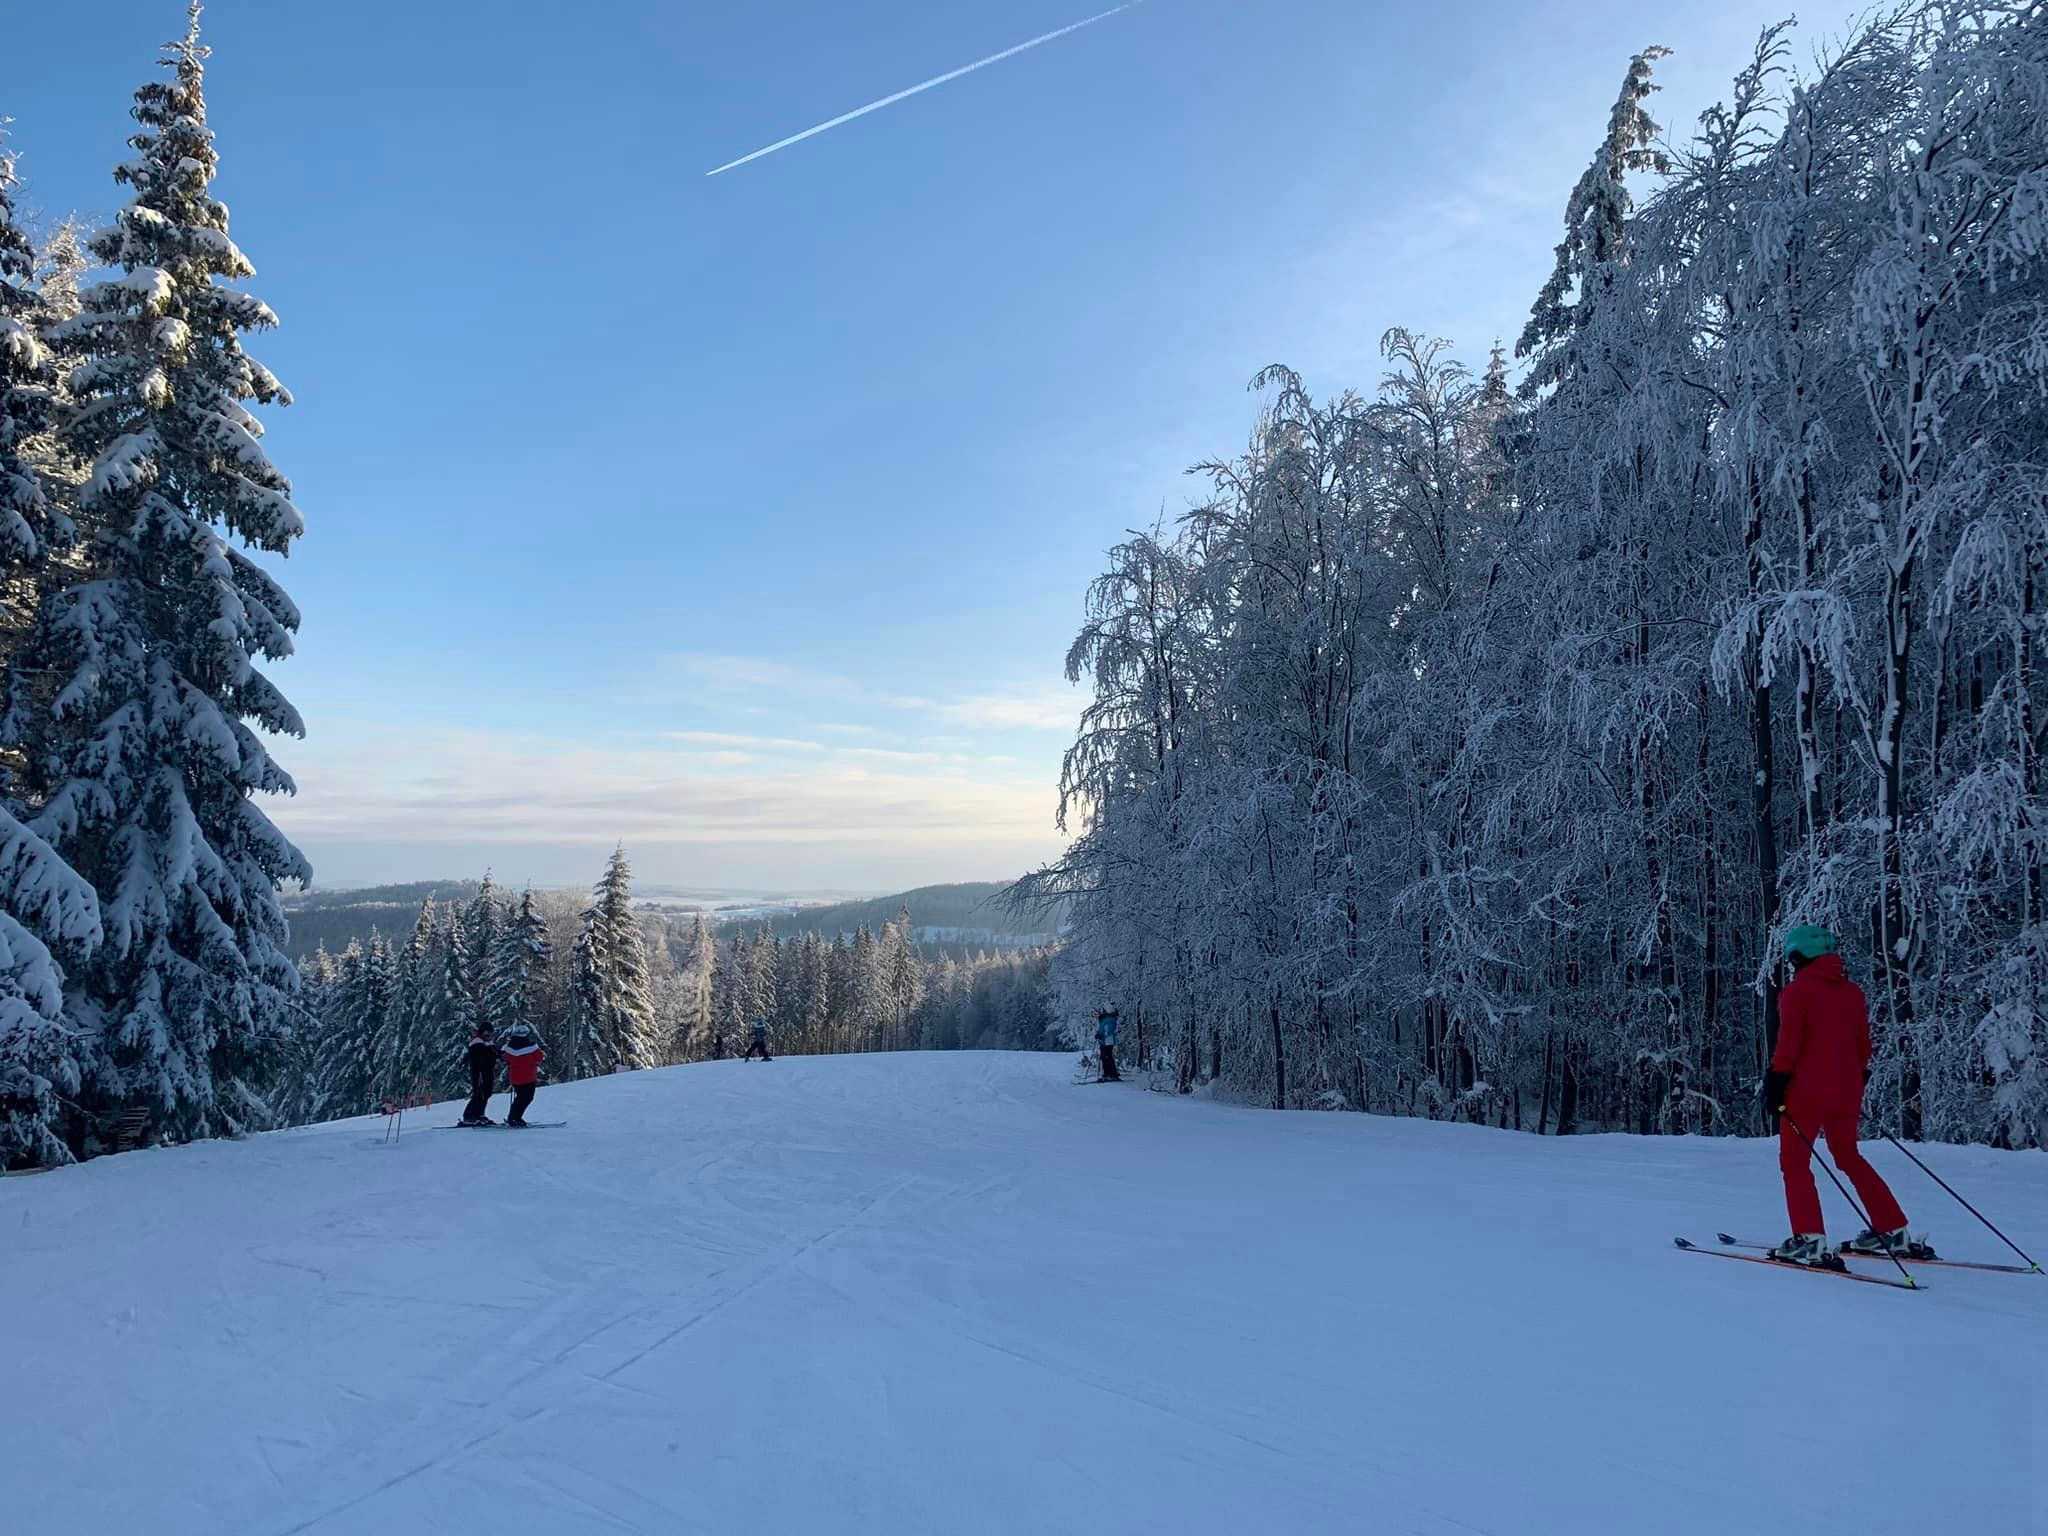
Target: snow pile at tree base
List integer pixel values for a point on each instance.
(955, 1292)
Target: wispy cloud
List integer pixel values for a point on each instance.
(1042, 708)
(763, 774)
(742, 743)
(538, 789)
(729, 671)
(922, 86)
(1051, 709)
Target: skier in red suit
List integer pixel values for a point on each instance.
(523, 1057)
(1815, 1086)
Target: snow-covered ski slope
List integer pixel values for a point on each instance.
(958, 1293)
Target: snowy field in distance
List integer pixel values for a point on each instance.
(957, 1293)
(732, 906)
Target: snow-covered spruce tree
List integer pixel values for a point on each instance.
(46, 911)
(408, 1057)
(49, 917)
(29, 515)
(869, 1019)
(696, 966)
(456, 1010)
(143, 763)
(762, 967)
(513, 998)
(614, 1013)
(815, 1004)
(904, 980)
(358, 1019)
(788, 1021)
(483, 923)
(630, 1037)
(729, 986)
(576, 1048)
(295, 1093)
(1595, 236)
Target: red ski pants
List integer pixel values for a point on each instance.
(1795, 1160)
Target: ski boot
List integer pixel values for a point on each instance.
(480, 1120)
(1809, 1250)
(1899, 1244)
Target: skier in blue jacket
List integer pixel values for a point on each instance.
(1105, 1040)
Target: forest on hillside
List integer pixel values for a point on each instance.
(609, 986)
(335, 919)
(958, 918)
(1470, 748)
(959, 921)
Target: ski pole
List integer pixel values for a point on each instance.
(1813, 1153)
(2015, 1247)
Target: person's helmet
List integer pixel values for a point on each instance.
(1809, 941)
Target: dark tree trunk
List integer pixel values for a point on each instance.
(1279, 1060)
(1567, 1095)
(1895, 927)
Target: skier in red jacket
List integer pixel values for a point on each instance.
(523, 1057)
(1815, 1087)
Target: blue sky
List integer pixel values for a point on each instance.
(748, 518)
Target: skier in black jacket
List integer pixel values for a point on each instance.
(482, 1057)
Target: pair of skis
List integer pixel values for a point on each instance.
(1756, 1251)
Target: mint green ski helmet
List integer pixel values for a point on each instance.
(1809, 941)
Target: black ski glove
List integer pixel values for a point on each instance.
(1775, 1084)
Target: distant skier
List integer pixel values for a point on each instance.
(757, 1040)
(1816, 1084)
(523, 1057)
(482, 1057)
(1105, 1040)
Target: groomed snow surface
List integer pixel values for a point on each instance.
(960, 1293)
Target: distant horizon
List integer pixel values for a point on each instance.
(656, 890)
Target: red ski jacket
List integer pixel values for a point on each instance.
(1823, 1041)
(522, 1063)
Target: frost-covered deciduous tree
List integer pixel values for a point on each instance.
(1468, 755)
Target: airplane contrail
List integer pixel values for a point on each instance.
(954, 74)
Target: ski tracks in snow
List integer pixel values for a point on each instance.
(934, 1294)
(579, 1345)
